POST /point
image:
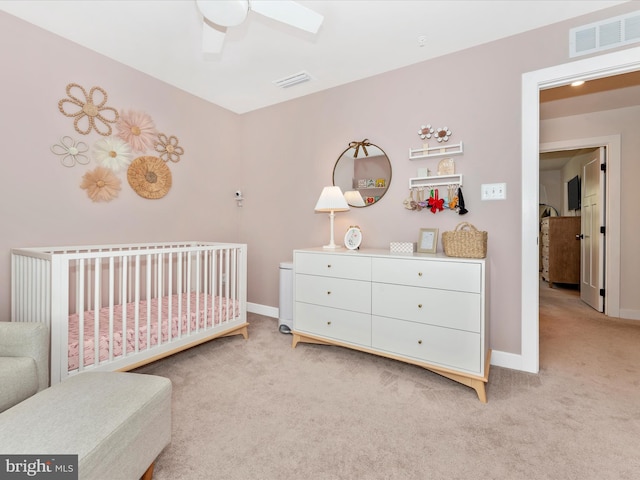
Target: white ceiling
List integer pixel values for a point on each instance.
(358, 39)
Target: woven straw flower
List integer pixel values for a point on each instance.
(149, 177)
(137, 129)
(101, 184)
(112, 153)
(168, 148)
(92, 114)
(72, 152)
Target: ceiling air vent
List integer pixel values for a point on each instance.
(610, 33)
(292, 80)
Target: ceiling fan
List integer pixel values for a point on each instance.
(218, 15)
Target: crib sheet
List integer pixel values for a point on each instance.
(216, 310)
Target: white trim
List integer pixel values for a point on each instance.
(623, 61)
(629, 314)
(507, 360)
(265, 310)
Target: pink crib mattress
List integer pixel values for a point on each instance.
(180, 325)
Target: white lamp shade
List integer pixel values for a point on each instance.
(331, 200)
(354, 198)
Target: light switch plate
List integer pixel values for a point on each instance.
(493, 191)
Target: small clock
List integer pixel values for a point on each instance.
(353, 237)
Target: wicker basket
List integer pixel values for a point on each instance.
(465, 241)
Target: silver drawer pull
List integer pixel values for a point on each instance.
(419, 342)
(419, 274)
(419, 305)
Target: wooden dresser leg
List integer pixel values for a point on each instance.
(479, 387)
(148, 475)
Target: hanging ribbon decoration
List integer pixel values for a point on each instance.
(364, 144)
(436, 203)
(461, 209)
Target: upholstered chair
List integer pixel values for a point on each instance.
(24, 361)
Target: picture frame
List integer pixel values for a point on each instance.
(428, 240)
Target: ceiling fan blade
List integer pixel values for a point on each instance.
(289, 12)
(226, 13)
(212, 37)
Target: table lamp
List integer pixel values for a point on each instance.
(331, 200)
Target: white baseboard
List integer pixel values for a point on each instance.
(265, 310)
(512, 361)
(628, 314)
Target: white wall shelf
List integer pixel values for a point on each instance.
(443, 150)
(436, 181)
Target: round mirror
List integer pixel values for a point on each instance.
(363, 173)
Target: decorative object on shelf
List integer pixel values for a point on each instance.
(465, 241)
(369, 172)
(354, 198)
(461, 207)
(93, 111)
(149, 177)
(442, 134)
(446, 166)
(112, 153)
(428, 240)
(353, 237)
(425, 132)
(168, 148)
(452, 196)
(101, 184)
(331, 200)
(402, 247)
(137, 129)
(72, 152)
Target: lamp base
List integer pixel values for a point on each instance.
(332, 247)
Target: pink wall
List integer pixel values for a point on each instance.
(283, 167)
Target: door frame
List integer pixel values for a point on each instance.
(615, 63)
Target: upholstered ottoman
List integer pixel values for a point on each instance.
(117, 423)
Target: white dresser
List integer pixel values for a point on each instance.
(424, 309)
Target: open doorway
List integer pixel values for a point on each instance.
(533, 83)
(572, 196)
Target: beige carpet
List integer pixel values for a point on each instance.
(258, 409)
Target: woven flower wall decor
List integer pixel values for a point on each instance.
(112, 153)
(168, 148)
(72, 152)
(137, 129)
(90, 113)
(101, 184)
(149, 177)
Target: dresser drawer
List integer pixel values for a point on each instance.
(352, 295)
(446, 347)
(343, 266)
(459, 310)
(447, 275)
(342, 325)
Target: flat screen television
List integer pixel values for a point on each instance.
(573, 193)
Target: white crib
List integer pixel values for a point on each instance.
(151, 300)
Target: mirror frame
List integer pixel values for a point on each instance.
(361, 149)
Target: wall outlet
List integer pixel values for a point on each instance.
(493, 191)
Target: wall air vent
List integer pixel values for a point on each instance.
(292, 80)
(605, 34)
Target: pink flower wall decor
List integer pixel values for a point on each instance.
(101, 184)
(137, 129)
